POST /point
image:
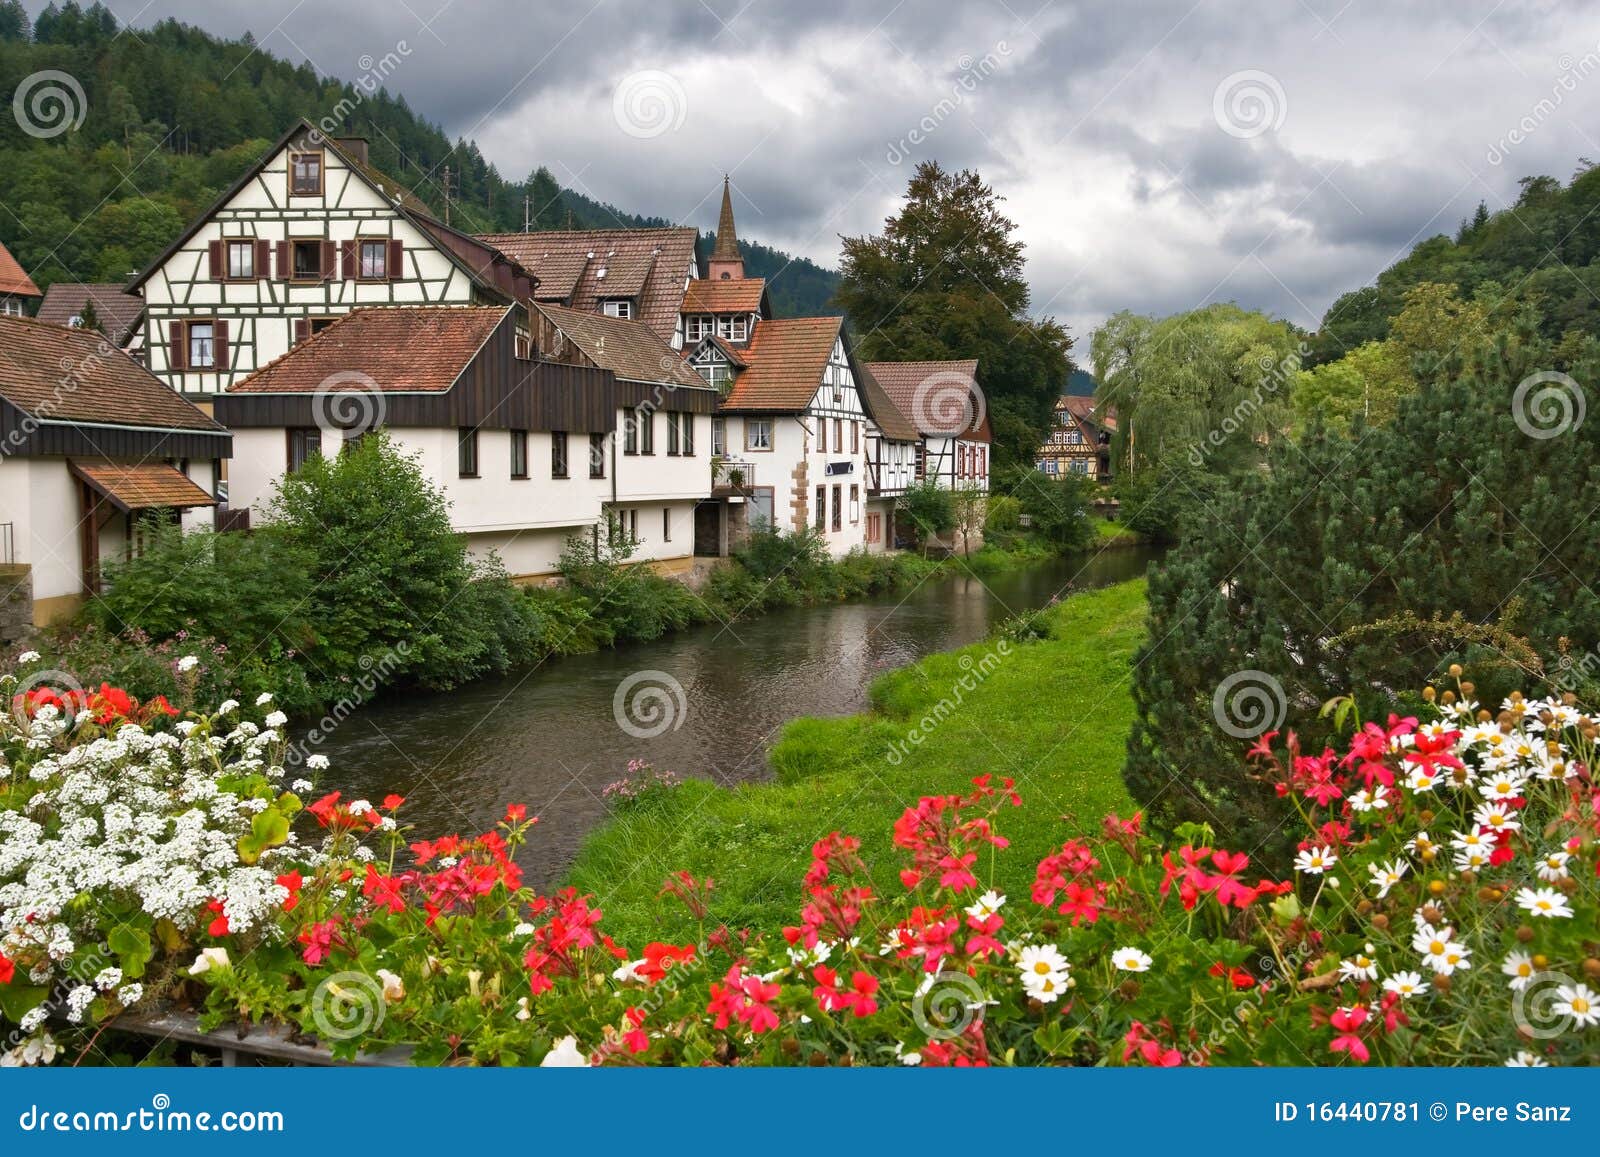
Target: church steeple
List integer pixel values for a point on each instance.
(726, 263)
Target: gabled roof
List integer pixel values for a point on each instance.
(629, 349)
(75, 375)
(116, 311)
(724, 347)
(647, 265)
(1088, 410)
(143, 486)
(931, 395)
(742, 295)
(406, 349)
(785, 360)
(14, 279)
(896, 426)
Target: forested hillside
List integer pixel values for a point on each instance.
(168, 119)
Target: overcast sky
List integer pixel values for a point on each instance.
(1155, 155)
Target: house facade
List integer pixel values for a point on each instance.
(18, 293)
(91, 447)
(1079, 442)
(504, 434)
(945, 404)
(657, 459)
(307, 234)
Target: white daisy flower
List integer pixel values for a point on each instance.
(1545, 902)
(1386, 876)
(1315, 861)
(1519, 967)
(1578, 1002)
(1131, 960)
(1406, 984)
(1553, 867)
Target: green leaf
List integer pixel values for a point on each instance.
(268, 829)
(16, 1000)
(132, 947)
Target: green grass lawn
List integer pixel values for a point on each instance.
(1053, 714)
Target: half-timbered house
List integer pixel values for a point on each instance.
(18, 293)
(657, 462)
(945, 403)
(92, 446)
(504, 434)
(308, 233)
(1079, 441)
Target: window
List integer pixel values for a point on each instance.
(13, 307)
(523, 347)
(838, 435)
(666, 524)
(303, 444)
(686, 434)
(633, 526)
(647, 430)
(597, 455)
(855, 437)
(822, 435)
(733, 327)
(467, 453)
(305, 174)
(697, 327)
(822, 507)
(306, 260)
(375, 260)
(308, 327)
(558, 454)
(855, 504)
(719, 437)
(241, 261)
(672, 433)
(1074, 437)
(838, 507)
(621, 307)
(630, 434)
(874, 527)
(718, 374)
(519, 453)
(983, 461)
(758, 434)
(202, 345)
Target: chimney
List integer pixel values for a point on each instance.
(353, 147)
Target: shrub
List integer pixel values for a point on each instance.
(1161, 501)
(1448, 535)
(1004, 516)
(1058, 509)
(931, 510)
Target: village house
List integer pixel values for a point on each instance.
(93, 449)
(308, 233)
(945, 404)
(504, 435)
(96, 305)
(17, 290)
(1079, 442)
(657, 460)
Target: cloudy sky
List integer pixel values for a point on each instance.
(1156, 155)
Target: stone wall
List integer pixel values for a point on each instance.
(16, 602)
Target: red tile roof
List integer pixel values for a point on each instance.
(629, 349)
(419, 349)
(733, 296)
(116, 311)
(786, 358)
(896, 426)
(77, 375)
(1089, 410)
(142, 486)
(13, 278)
(942, 398)
(647, 264)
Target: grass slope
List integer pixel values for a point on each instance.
(1054, 715)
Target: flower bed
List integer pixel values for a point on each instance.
(1442, 909)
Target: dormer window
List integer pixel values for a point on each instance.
(698, 327)
(617, 307)
(733, 327)
(718, 374)
(305, 174)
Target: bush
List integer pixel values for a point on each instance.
(1365, 564)
(1058, 509)
(1005, 514)
(1159, 502)
(931, 510)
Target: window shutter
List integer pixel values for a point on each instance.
(283, 261)
(395, 266)
(214, 253)
(330, 254)
(220, 344)
(351, 259)
(302, 330)
(175, 355)
(263, 259)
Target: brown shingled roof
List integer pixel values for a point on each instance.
(142, 486)
(1089, 410)
(116, 311)
(419, 349)
(629, 349)
(895, 425)
(649, 264)
(13, 278)
(75, 375)
(929, 394)
(733, 296)
(786, 358)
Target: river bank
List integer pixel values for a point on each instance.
(1053, 714)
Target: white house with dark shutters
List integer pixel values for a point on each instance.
(308, 233)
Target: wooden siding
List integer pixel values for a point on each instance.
(22, 437)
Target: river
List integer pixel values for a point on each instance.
(551, 739)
